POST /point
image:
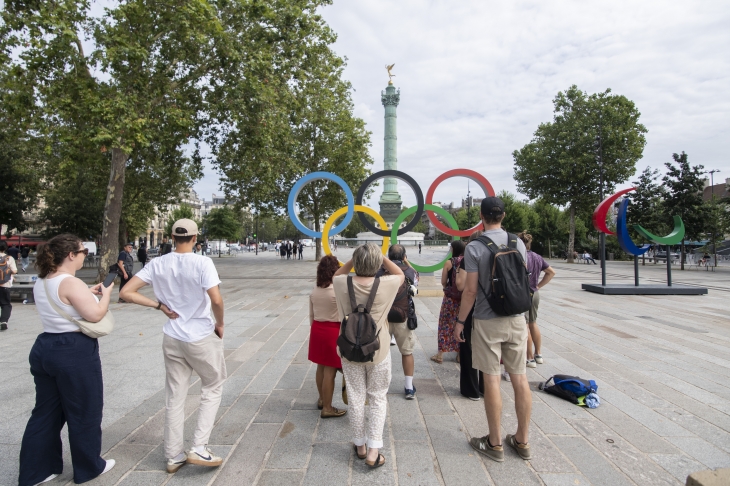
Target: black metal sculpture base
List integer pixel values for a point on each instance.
(657, 289)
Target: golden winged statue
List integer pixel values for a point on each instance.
(390, 75)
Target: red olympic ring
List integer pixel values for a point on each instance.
(470, 174)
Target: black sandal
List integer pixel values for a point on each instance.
(358, 454)
(376, 464)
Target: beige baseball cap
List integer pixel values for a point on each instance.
(184, 227)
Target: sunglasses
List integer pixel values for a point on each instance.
(85, 251)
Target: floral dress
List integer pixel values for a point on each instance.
(447, 318)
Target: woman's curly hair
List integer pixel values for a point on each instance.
(51, 254)
(326, 269)
(526, 239)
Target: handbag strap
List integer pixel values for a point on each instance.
(60, 311)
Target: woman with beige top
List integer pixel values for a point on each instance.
(66, 368)
(323, 335)
(368, 380)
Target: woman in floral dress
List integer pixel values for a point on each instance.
(450, 305)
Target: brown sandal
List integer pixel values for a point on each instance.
(436, 358)
(373, 465)
(358, 454)
(319, 404)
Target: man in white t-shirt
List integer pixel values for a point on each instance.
(186, 286)
(7, 270)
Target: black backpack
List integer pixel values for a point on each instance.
(358, 340)
(509, 293)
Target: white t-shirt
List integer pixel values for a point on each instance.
(181, 282)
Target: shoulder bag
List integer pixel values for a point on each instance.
(92, 329)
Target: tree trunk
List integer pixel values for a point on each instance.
(317, 241)
(571, 234)
(112, 212)
(550, 250)
(681, 256)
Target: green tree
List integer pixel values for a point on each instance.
(550, 227)
(519, 215)
(562, 163)
(684, 184)
(646, 207)
(221, 224)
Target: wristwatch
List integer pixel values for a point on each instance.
(460, 322)
(159, 306)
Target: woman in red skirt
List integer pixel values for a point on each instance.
(323, 335)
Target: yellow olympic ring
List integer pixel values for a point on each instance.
(358, 209)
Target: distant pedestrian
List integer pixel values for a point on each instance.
(282, 249)
(289, 248)
(165, 247)
(368, 380)
(186, 287)
(496, 337)
(66, 369)
(449, 305)
(323, 334)
(198, 248)
(125, 268)
(419, 248)
(588, 258)
(142, 255)
(535, 265)
(301, 249)
(8, 268)
(14, 252)
(471, 381)
(25, 257)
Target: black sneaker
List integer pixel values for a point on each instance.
(3, 326)
(411, 394)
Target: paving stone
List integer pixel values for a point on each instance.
(193, 475)
(126, 456)
(548, 421)
(703, 451)
(293, 445)
(276, 408)
(334, 430)
(234, 422)
(714, 435)
(244, 463)
(406, 422)
(631, 461)
(277, 478)
(328, 464)
(564, 479)
(293, 377)
(140, 478)
(415, 463)
(631, 430)
(546, 457)
(431, 398)
(678, 465)
(457, 461)
(233, 387)
(589, 462)
(268, 377)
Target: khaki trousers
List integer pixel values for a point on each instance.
(181, 358)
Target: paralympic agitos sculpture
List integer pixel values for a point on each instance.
(354, 205)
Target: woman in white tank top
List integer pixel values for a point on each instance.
(66, 367)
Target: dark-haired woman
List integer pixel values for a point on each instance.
(323, 335)
(66, 367)
(450, 304)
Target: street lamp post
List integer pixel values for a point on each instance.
(714, 225)
(468, 205)
(601, 236)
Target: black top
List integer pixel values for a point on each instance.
(13, 252)
(165, 248)
(128, 262)
(142, 255)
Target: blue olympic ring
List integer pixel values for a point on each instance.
(294, 193)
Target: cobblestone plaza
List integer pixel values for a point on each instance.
(661, 364)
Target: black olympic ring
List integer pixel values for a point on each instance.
(397, 175)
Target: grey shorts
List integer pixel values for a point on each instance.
(531, 315)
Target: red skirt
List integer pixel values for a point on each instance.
(323, 344)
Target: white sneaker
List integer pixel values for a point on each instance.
(49, 478)
(538, 359)
(531, 363)
(205, 459)
(109, 465)
(176, 462)
(392, 341)
(505, 375)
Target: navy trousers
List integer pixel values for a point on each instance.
(471, 381)
(69, 389)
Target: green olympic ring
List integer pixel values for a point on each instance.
(428, 207)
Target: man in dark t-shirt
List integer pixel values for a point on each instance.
(165, 247)
(14, 252)
(125, 266)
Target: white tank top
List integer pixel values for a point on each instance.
(52, 321)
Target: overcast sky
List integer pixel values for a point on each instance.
(477, 77)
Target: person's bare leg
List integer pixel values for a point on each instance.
(318, 378)
(535, 338)
(328, 387)
(530, 352)
(493, 407)
(408, 365)
(523, 406)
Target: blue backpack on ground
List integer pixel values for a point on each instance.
(572, 388)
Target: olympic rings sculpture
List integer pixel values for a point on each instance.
(354, 205)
